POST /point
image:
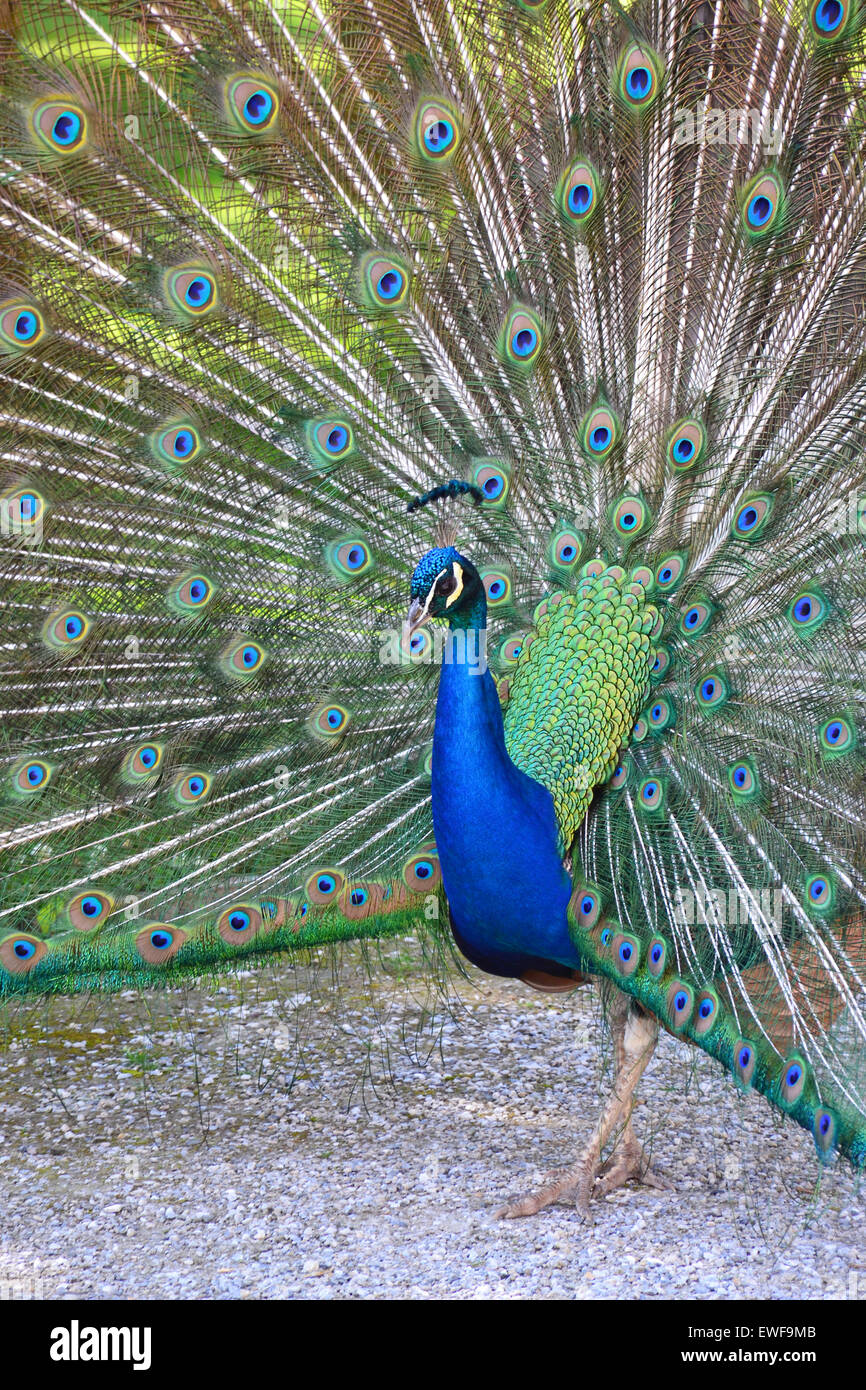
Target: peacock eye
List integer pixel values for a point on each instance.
(446, 585)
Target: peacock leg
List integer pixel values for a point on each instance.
(635, 1034)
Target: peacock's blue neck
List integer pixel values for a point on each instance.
(496, 832)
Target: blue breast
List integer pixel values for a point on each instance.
(496, 835)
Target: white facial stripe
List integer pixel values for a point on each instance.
(458, 575)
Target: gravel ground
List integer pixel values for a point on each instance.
(278, 1136)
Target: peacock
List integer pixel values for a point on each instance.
(433, 494)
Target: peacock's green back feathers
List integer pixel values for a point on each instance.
(270, 270)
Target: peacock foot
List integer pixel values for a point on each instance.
(628, 1163)
(588, 1178)
(574, 1185)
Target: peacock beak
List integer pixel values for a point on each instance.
(418, 615)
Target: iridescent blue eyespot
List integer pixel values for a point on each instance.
(358, 897)
(73, 626)
(580, 199)
(24, 949)
(160, 940)
(35, 774)
(325, 883)
(600, 437)
(239, 920)
(524, 342)
(195, 786)
(638, 83)
(760, 210)
(91, 907)
(198, 292)
(26, 325)
(626, 951)
(706, 1008)
(606, 934)
(657, 953)
(745, 1057)
(258, 107)
(197, 591)
(389, 285)
(337, 439)
(184, 443)
(438, 136)
(587, 904)
(683, 450)
(66, 129)
(793, 1074)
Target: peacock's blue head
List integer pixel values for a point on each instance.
(446, 585)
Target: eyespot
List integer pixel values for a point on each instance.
(350, 558)
(836, 736)
(661, 662)
(329, 441)
(752, 516)
(661, 714)
(330, 721)
(31, 776)
(640, 730)
(830, 18)
(599, 431)
(22, 325)
(252, 103)
(192, 290)
(437, 131)
(521, 337)
(176, 444)
(66, 628)
(159, 942)
(825, 1129)
(656, 957)
(763, 204)
(680, 1001)
(89, 909)
(820, 894)
(743, 781)
(243, 658)
(21, 510)
(712, 691)
(59, 125)
(21, 952)
(669, 571)
(604, 935)
(421, 873)
(745, 1059)
(142, 762)
(564, 548)
(586, 906)
(696, 619)
(497, 586)
(577, 194)
(620, 776)
(807, 611)
(384, 281)
(190, 593)
(324, 887)
(494, 478)
(362, 900)
(707, 1012)
(639, 76)
(651, 794)
(686, 444)
(630, 516)
(190, 788)
(793, 1080)
(625, 951)
(239, 923)
(509, 652)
